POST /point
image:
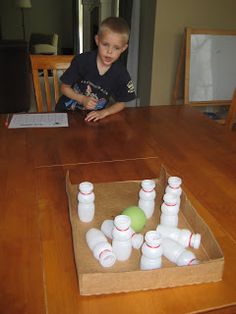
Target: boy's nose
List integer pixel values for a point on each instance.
(109, 50)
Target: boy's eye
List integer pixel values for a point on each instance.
(114, 48)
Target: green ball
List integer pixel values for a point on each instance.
(137, 216)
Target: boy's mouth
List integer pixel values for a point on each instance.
(108, 59)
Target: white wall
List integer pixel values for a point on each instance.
(171, 18)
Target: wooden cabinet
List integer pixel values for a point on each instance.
(14, 76)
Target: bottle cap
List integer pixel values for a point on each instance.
(174, 182)
(102, 251)
(122, 222)
(148, 185)
(107, 258)
(195, 241)
(86, 187)
(153, 238)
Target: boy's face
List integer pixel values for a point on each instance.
(110, 47)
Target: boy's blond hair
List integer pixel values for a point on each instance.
(115, 24)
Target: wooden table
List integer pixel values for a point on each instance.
(37, 269)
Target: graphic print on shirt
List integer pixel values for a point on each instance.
(101, 103)
(130, 87)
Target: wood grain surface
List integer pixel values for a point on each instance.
(37, 270)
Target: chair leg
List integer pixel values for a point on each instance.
(231, 114)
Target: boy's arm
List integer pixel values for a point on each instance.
(100, 114)
(86, 101)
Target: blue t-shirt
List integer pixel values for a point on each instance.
(84, 78)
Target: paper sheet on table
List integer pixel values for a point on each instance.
(38, 120)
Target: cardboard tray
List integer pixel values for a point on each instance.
(111, 199)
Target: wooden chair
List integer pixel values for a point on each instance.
(230, 119)
(42, 66)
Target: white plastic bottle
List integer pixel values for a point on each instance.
(137, 240)
(174, 186)
(107, 227)
(147, 196)
(101, 248)
(151, 251)
(183, 236)
(177, 254)
(170, 209)
(86, 206)
(121, 237)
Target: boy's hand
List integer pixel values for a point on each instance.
(89, 102)
(96, 115)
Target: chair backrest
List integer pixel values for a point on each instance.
(55, 40)
(42, 39)
(230, 119)
(46, 87)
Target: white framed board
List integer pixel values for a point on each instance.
(210, 67)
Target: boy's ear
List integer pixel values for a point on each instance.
(96, 39)
(124, 47)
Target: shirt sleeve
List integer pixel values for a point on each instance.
(72, 74)
(125, 89)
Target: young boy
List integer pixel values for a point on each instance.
(93, 77)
